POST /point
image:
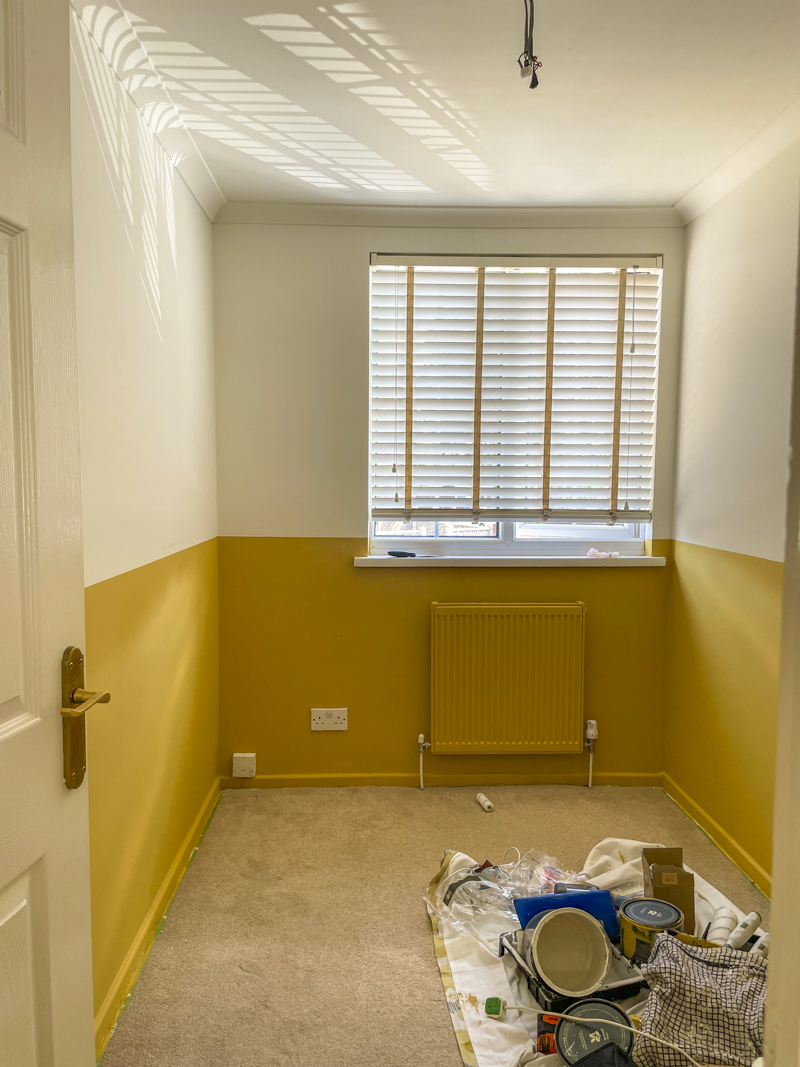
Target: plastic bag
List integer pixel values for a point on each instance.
(479, 900)
(465, 899)
(533, 873)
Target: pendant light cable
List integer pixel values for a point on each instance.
(528, 62)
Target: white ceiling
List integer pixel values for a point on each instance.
(421, 102)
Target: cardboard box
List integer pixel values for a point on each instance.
(665, 879)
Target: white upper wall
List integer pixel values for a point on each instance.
(741, 279)
(292, 339)
(145, 334)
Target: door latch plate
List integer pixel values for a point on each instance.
(75, 701)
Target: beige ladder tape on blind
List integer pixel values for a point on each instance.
(548, 388)
(407, 468)
(623, 282)
(476, 431)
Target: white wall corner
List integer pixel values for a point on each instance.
(115, 36)
(766, 145)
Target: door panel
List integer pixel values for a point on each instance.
(19, 1025)
(45, 951)
(10, 67)
(17, 544)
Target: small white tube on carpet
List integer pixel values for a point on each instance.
(484, 802)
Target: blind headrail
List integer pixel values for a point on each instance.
(642, 260)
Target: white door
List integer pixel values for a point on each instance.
(45, 957)
(783, 999)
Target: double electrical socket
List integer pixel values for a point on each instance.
(329, 718)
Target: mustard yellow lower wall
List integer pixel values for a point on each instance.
(301, 627)
(151, 639)
(681, 675)
(723, 697)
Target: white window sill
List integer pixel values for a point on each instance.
(414, 562)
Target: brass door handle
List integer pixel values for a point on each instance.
(84, 700)
(75, 702)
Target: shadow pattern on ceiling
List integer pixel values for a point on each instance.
(201, 95)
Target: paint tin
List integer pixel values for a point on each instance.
(640, 920)
(569, 951)
(574, 1040)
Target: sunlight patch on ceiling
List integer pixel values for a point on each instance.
(209, 98)
(336, 57)
(267, 116)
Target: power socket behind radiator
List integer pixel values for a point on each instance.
(329, 718)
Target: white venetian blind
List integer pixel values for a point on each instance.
(513, 392)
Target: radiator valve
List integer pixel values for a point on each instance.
(591, 734)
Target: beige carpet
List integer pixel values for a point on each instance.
(299, 936)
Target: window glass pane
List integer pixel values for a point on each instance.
(573, 531)
(467, 529)
(398, 528)
(386, 528)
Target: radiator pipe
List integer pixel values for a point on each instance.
(423, 744)
(591, 737)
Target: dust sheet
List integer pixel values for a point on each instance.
(467, 953)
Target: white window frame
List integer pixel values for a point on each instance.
(626, 539)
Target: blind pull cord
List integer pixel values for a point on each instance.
(396, 351)
(633, 311)
(630, 374)
(408, 468)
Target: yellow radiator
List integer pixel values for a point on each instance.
(507, 678)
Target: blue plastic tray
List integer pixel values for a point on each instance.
(597, 902)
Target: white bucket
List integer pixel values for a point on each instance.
(570, 951)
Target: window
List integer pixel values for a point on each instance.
(512, 404)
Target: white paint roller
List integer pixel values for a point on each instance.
(746, 928)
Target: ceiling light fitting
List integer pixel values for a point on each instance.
(528, 62)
